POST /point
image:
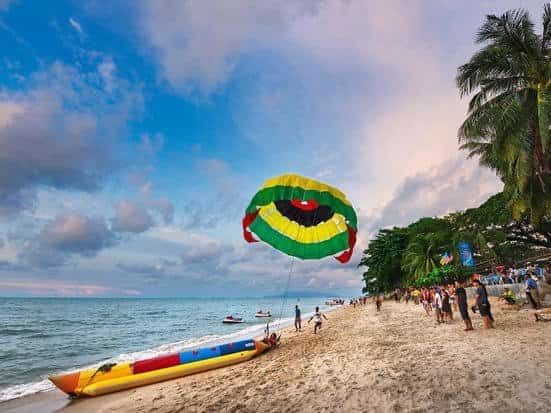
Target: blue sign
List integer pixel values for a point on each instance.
(466, 254)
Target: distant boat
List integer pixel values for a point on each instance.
(263, 314)
(335, 301)
(232, 320)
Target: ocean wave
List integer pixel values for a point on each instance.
(158, 312)
(22, 390)
(17, 331)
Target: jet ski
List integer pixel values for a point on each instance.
(263, 314)
(232, 320)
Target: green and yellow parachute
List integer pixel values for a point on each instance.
(302, 217)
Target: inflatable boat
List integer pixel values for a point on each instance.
(112, 377)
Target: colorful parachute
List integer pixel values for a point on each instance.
(302, 217)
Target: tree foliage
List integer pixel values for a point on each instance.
(400, 257)
(507, 125)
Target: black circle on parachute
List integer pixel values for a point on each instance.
(305, 218)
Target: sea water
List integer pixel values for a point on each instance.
(42, 336)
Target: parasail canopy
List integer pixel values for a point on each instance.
(302, 217)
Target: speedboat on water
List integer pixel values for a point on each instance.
(334, 301)
(232, 320)
(263, 314)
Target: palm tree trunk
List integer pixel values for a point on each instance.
(540, 159)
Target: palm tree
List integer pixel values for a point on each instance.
(509, 114)
(420, 256)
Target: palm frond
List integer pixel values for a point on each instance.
(546, 19)
(513, 30)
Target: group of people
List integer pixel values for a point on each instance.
(513, 275)
(318, 317)
(443, 300)
(358, 301)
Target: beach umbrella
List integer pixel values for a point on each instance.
(302, 217)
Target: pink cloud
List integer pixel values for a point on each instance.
(62, 288)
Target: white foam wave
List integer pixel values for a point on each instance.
(26, 389)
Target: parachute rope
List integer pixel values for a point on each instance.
(285, 293)
(288, 283)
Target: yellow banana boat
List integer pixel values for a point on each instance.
(114, 377)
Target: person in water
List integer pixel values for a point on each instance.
(317, 317)
(298, 320)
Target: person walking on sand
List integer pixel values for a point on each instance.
(378, 302)
(532, 292)
(298, 326)
(317, 317)
(483, 304)
(461, 295)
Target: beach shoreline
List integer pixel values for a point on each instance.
(396, 360)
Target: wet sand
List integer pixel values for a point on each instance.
(396, 360)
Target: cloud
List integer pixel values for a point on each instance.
(450, 186)
(156, 269)
(151, 144)
(8, 111)
(198, 44)
(164, 207)
(6, 265)
(65, 236)
(223, 203)
(131, 217)
(5, 4)
(77, 233)
(63, 288)
(204, 253)
(61, 133)
(75, 25)
(107, 70)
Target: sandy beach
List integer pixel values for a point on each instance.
(397, 360)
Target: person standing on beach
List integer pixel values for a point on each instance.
(427, 301)
(453, 299)
(378, 302)
(298, 320)
(317, 317)
(532, 292)
(437, 304)
(483, 304)
(446, 306)
(461, 296)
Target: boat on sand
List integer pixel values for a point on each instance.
(112, 377)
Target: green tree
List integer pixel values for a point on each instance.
(421, 256)
(382, 260)
(509, 114)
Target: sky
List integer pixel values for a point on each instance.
(134, 133)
